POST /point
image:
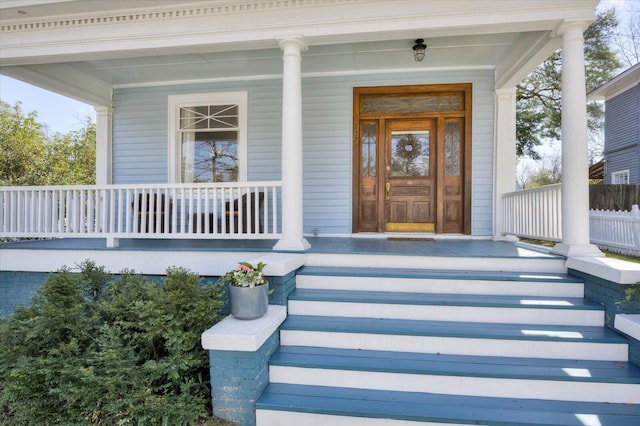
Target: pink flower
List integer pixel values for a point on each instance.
(245, 268)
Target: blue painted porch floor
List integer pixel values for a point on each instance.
(335, 245)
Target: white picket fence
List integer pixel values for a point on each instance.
(616, 231)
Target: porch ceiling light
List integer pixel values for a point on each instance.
(418, 49)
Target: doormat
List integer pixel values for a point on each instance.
(409, 239)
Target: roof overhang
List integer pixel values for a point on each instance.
(84, 49)
(621, 83)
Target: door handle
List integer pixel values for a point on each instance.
(387, 188)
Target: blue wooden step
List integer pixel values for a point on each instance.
(279, 401)
(437, 274)
(455, 337)
(457, 365)
(426, 299)
(555, 333)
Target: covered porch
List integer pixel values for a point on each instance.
(296, 65)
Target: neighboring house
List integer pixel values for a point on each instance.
(621, 97)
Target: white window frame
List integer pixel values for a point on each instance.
(222, 98)
(620, 175)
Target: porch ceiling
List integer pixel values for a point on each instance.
(84, 49)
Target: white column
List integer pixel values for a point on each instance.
(104, 126)
(104, 133)
(575, 162)
(504, 169)
(292, 218)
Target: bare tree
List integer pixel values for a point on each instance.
(626, 39)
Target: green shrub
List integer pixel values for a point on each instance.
(94, 349)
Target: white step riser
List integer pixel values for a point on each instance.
(459, 385)
(448, 313)
(280, 418)
(457, 346)
(447, 286)
(440, 263)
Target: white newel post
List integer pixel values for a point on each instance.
(505, 156)
(292, 176)
(575, 162)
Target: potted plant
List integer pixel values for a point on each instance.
(248, 291)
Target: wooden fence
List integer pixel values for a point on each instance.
(613, 197)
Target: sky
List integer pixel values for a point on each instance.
(62, 114)
(58, 113)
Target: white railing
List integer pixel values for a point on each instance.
(615, 230)
(248, 210)
(534, 213)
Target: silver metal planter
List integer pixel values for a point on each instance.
(249, 303)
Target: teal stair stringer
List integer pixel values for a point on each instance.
(446, 348)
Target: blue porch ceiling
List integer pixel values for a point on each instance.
(464, 52)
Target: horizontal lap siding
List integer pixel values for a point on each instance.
(622, 134)
(140, 138)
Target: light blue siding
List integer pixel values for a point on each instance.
(140, 151)
(622, 135)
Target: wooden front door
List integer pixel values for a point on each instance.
(412, 152)
(409, 200)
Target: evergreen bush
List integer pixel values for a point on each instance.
(96, 349)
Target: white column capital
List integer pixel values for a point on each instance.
(572, 28)
(293, 45)
(103, 109)
(504, 94)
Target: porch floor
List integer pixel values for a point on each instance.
(333, 245)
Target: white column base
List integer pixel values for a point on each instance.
(293, 244)
(572, 250)
(113, 242)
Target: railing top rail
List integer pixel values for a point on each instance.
(537, 189)
(144, 186)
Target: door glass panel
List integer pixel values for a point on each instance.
(410, 153)
(412, 104)
(452, 148)
(369, 142)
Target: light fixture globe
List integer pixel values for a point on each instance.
(418, 50)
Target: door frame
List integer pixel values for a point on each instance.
(464, 89)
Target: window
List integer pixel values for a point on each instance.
(620, 178)
(207, 137)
